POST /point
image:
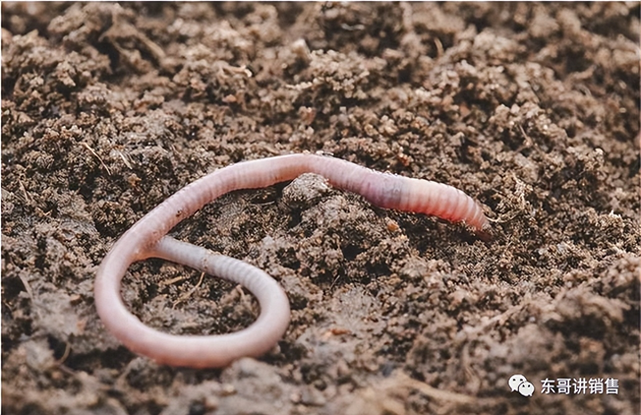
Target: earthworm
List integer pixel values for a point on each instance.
(146, 239)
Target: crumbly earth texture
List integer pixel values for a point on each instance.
(532, 109)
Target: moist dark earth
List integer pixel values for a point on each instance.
(532, 109)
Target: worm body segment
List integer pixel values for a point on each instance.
(146, 239)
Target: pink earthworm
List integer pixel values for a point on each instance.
(146, 239)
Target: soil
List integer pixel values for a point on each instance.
(532, 109)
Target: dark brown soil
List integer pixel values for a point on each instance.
(533, 109)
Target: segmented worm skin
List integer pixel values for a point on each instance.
(147, 239)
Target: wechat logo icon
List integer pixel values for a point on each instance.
(520, 383)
